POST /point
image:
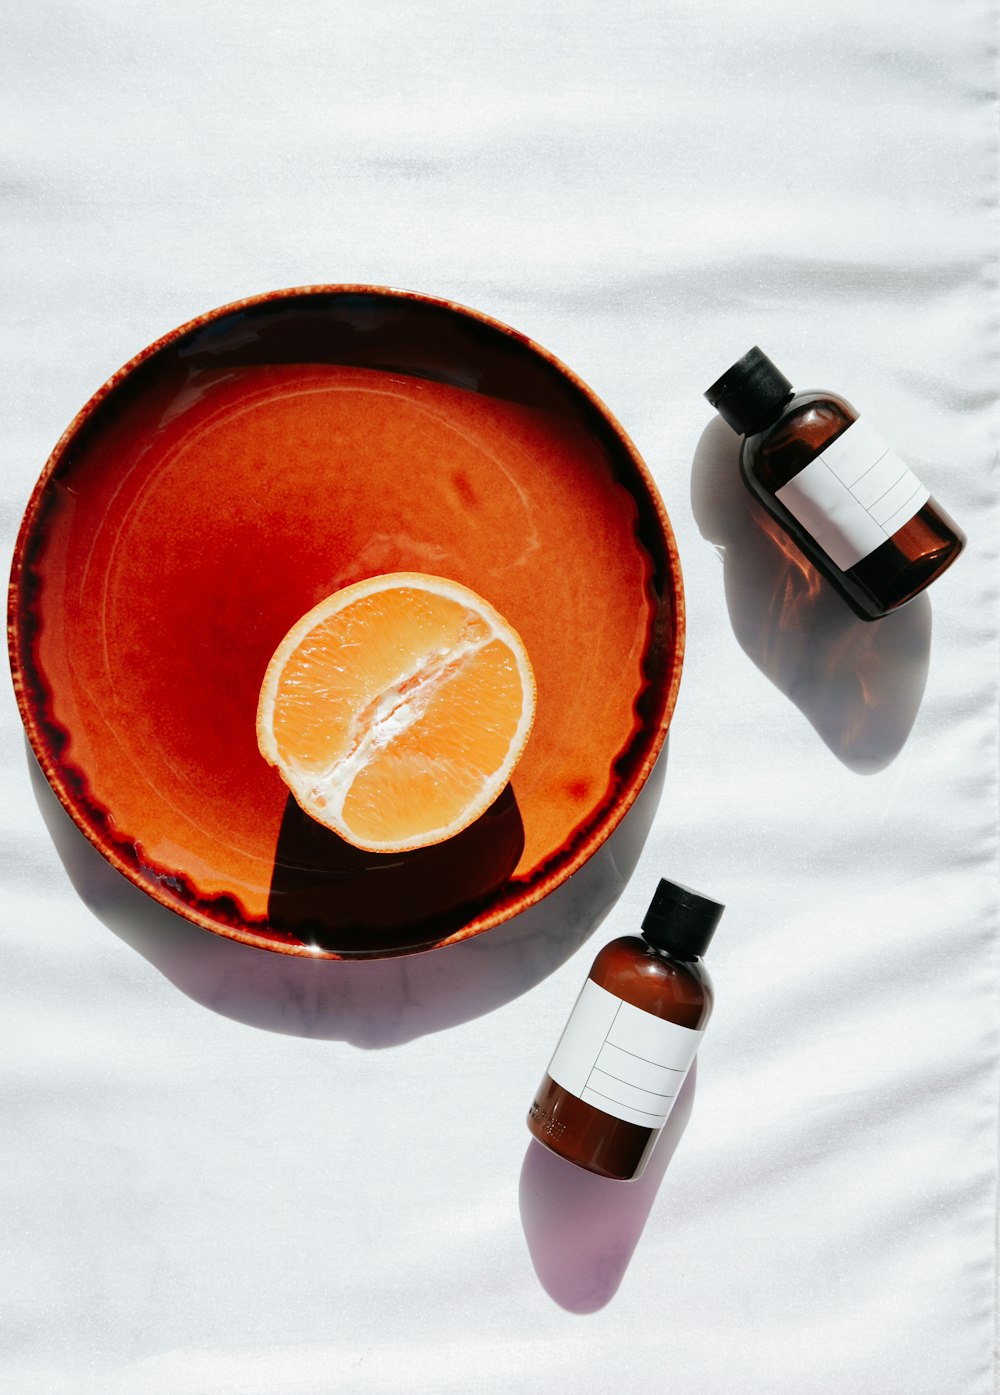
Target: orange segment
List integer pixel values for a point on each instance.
(396, 710)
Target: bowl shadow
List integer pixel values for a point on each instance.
(859, 683)
(581, 1229)
(370, 1003)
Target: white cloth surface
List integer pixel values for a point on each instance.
(225, 1171)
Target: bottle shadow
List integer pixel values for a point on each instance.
(371, 1003)
(859, 683)
(581, 1229)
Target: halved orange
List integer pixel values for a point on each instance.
(396, 710)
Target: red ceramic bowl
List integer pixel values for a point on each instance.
(247, 465)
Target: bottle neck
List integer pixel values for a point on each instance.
(675, 954)
(769, 417)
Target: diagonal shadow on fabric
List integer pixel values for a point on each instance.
(581, 1229)
(370, 1003)
(859, 683)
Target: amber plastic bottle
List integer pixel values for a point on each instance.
(630, 1040)
(845, 498)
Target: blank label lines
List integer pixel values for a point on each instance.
(622, 1060)
(854, 495)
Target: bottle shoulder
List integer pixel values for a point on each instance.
(677, 990)
(809, 423)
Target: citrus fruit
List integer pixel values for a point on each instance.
(396, 709)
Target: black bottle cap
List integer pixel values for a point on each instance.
(680, 921)
(750, 392)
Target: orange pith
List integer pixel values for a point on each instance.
(396, 709)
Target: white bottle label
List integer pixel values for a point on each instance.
(622, 1060)
(854, 495)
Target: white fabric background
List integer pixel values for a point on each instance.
(220, 1171)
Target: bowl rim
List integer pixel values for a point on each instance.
(53, 769)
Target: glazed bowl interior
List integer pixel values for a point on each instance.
(251, 463)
